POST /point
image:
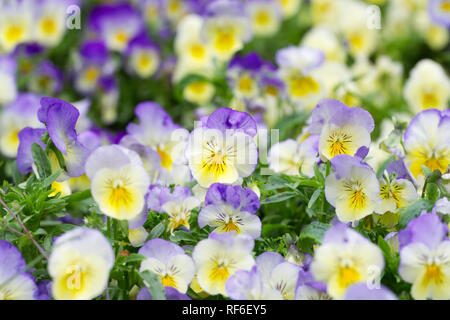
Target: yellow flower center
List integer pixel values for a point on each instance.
(120, 196)
(445, 6)
(262, 18)
(166, 159)
(231, 226)
(245, 84)
(271, 90)
(339, 142)
(220, 272)
(433, 274)
(121, 37)
(429, 101)
(198, 51)
(91, 74)
(174, 7)
(144, 61)
(393, 191)
(48, 25)
(198, 87)
(168, 281)
(225, 41)
(357, 195)
(14, 33)
(356, 41)
(303, 86)
(348, 276)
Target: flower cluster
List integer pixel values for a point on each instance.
(238, 149)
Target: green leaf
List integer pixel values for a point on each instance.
(157, 231)
(279, 197)
(413, 210)
(134, 257)
(315, 231)
(154, 284)
(180, 235)
(314, 197)
(41, 160)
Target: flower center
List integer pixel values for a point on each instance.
(445, 6)
(433, 274)
(225, 41)
(262, 18)
(357, 195)
(168, 281)
(429, 100)
(348, 276)
(245, 84)
(121, 37)
(391, 191)
(14, 33)
(48, 26)
(220, 272)
(120, 196)
(339, 143)
(303, 86)
(198, 51)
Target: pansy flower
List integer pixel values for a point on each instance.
(60, 118)
(15, 282)
(79, 264)
(226, 28)
(219, 257)
(428, 86)
(91, 64)
(395, 193)
(265, 15)
(51, 20)
(427, 142)
(143, 56)
(425, 257)
(289, 7)
(177, 203)
(231, 208)
(352, 188)
(169, 261)
(46, 79)
(116, 23)
(119, 181)
(290, 157)
(244, 73)
(223, 150)
(342, 129)
(16, 23)
(297, 68)
(345, 257)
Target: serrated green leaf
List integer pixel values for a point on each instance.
(157, 231)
